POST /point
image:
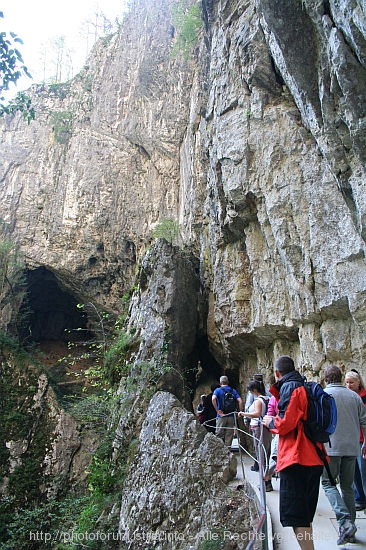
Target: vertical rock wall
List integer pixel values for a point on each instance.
(256, 145)
(282, 232)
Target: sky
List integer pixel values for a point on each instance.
(38, 22)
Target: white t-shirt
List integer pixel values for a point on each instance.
(254, 422)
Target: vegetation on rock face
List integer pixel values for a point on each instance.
(167, 229)
(62, 126)
(106, 352)
(25, 506)
(25, 432)
(188, 23)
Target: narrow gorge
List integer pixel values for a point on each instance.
(249, 156)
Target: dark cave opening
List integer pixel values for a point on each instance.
(211, 369)
(49, 312)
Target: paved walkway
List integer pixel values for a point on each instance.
(325, 527)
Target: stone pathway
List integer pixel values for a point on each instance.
(325, 525)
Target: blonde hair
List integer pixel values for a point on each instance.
(355, 376)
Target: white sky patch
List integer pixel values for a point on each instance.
(38, 22)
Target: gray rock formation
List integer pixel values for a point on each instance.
(282, 237)
(177, 492)
(84, 185)
(48, 443)
(166, 314)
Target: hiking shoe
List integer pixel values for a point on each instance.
(346, 531)
(269, 487)
(360, 506)
(255, 468)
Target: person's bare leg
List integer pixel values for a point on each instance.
(304, 537)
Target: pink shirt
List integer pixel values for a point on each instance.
(272, 407)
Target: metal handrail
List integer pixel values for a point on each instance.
(261, 526)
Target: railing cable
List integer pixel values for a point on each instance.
(261, 529)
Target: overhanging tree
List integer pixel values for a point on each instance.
(11, 69)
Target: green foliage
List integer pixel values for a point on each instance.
(62, 126)
(107, 353)
(24, 480)
(101, 476)
(167, 229)
(25, 513)
(60, 89)
(21, 103)
(93, 411)
(93, 349)
(15, 528)
(105, 481)
(17, 423)
(188, 23)
(116, 355)
(216, 544)
(11, 69)
(88, 517)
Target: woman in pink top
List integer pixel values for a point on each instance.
(355, 383)
(273, 406)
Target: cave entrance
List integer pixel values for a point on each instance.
(57, 330)
(210, 370)
(51, 313)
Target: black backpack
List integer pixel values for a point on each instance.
(322, 413)
(265, 399)
(321, 419)
(229, 402)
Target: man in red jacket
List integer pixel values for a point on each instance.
(297, 461)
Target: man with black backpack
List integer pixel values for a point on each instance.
(298, 461)
(226, 402)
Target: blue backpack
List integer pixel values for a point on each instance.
(321, 420)
(322, 413)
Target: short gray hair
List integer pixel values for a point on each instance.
(224, 380)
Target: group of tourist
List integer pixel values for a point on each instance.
(279, 414)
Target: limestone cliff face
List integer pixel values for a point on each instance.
(83, 186)
(283, 220)
(256, 145)
(188, 495)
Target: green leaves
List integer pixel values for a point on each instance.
(167, 229)
(11, 61)
(188, 23)
(11, 69)
(21, 103)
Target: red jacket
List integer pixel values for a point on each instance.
(293, 445)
